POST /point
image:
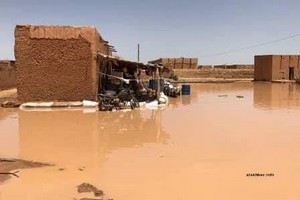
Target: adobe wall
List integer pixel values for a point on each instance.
(56, 62)
(204, 66)
(236, 66)
(7, 74)
(215, 73)
(178, 63)
(281, 64)
(263, 68)
(276, 67)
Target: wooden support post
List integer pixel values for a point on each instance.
(157, 78)
(138, 53)
(174, 59)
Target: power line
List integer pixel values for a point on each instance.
(253, 46)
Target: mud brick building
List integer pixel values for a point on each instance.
(276, 67)
(57, 62)
(177, 63)
(7, 74)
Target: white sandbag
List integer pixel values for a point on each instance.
(142, 104)
(86, 103)
(29, 105)
(152, 105)
(37, 105)
(163, 99)
(45, 104)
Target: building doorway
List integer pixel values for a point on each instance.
(291, 73)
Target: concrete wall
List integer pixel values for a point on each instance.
(57, 62)
(7, 74)
(263, 68)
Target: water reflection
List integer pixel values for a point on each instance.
(73, 137)
(276, 96)
(9, 138)
(221, 87)
(185, 100)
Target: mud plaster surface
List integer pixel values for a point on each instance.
(53, 69)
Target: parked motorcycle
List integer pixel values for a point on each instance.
(170, 90)
(112, 102)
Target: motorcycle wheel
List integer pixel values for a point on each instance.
(102, 106)
(134, 103)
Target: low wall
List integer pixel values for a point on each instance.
(7, 74)
(177, 63)
(237, 66)
(216, 73)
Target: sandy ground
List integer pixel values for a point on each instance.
(13, 165)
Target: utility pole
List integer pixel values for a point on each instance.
(138, 53)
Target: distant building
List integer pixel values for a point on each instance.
(58, 62)
(177, 63)
(7, 74)
(276, 67)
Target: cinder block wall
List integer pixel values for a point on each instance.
(7, 74)
(56, 62)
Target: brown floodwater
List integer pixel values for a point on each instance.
(199, 147)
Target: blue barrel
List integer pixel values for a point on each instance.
(152, 84)
(186, 89)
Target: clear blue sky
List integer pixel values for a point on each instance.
(167, 28)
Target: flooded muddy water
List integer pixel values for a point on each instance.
(206, 146)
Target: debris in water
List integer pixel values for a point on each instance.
(10, 173)
(86, 187)
(7, 160)
(7, 167)
(10, 104)
(239, 96)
